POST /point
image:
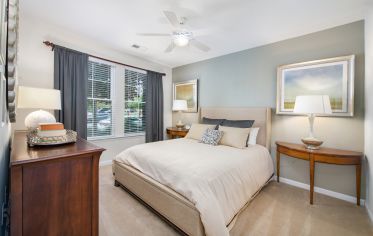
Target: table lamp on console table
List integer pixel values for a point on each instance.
(180, 106)
(312, 105)
(38, 98)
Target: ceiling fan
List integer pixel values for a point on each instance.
(179, 37)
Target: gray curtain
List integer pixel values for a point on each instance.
(154, 107)
(71, 77)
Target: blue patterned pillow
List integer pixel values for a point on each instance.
(211, 136)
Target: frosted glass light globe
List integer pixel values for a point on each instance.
(33, 119)
(181, 40)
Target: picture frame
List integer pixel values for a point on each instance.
(187, 90)
(331, 76)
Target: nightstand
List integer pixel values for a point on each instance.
(174, 132)
(322, 155)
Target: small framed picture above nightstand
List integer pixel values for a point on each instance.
(174, 132)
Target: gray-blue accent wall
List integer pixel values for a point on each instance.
(248, 78)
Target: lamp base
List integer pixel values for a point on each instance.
(312, 143)
(180, 125)
(33, 119)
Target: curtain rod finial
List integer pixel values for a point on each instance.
(49, 44)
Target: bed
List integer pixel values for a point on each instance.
(176, 202)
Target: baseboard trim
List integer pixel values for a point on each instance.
(327, 192)
(106, 163)
(370, 214)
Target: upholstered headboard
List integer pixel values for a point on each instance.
(262, 117)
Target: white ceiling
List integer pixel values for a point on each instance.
(226, 26)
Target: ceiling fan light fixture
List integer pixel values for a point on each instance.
(181, 40)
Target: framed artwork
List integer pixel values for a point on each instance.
(187, 90)
(332, 76)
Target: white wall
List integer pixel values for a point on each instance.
(35, 69)
(369, 109)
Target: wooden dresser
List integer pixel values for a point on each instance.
(53, 190)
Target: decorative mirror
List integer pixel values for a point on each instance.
(12, 24)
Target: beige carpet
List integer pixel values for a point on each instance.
(279, 209)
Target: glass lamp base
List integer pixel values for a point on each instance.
(180, 126)
(312, 143)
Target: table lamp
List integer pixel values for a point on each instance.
(312, 105)
(38, 98)
(179, 106)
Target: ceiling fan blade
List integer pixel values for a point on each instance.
(199, 45)
(152, 34)
(170, 47)
(172, 18)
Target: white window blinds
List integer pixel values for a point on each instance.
(134, 101)
(100, 114)
(116, 100)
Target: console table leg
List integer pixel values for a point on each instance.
(358, 182)
(278, 165)
(312, 178)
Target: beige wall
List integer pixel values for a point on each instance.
(369, 108)
(35, 69)
(248, 78)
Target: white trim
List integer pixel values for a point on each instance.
(102, 61)
(106, 163)
(370, 214)
(95, 138)
(136, 70)
(329, 193)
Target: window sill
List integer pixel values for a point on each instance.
(115, 137)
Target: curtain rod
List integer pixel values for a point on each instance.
(52, 45)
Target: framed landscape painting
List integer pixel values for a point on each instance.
(333, 77)
(187, 90)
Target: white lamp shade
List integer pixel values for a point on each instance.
(180, 105)
(312, 104)
(39, 98)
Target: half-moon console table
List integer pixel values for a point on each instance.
(322, 155)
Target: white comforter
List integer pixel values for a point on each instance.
(219, 180)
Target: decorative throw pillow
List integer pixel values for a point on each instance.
(211, 136)
(210, 121)
(197, 130)
(253, 135)
(234, 137)
(238, 123)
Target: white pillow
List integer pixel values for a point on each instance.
(253, 135)
(196, 131)
(234, 137)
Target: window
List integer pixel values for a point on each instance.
(134, 102)
(116, 100)
(99, 99)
